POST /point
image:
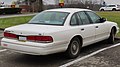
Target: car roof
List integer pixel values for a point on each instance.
(70, 10)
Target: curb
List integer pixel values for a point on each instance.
(1, 37)
(20, 15)
(118, 38)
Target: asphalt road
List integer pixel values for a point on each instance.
(11, 59)
(108, 58)
(16, 15)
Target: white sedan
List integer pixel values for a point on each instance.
(59, 30)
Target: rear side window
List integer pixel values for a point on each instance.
(79, 19)
(94, 17)
(74, 20)
(84, 18)
(111, 6)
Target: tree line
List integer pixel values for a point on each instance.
(38, 5)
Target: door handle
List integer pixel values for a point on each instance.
(82, 29)
(96, 27)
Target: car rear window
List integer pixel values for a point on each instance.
(50, 18)
(118, 6)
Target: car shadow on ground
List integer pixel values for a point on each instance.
(54, 59)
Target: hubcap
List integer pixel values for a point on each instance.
(75, 47)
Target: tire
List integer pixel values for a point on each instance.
(102, 10)
(113, 9)
(111, 38)
(74, 47)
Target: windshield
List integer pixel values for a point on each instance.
(50, 18)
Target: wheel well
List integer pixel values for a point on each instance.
(114, 9)
(80, 38)
(102, 9)
(114, 29)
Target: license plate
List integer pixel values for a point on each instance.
(23, 39)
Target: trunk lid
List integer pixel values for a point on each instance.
(33, 29)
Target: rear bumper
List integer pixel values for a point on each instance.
(30, 48)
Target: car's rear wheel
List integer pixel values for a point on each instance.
(111, 38)
(74, 47)
(113, 9)
(102, 10)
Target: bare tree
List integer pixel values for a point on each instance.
(40, 2)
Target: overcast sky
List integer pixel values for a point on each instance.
(112, 1)
(6, 1)
(107, 1)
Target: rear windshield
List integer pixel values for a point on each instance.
(50, 18)
(118, 6)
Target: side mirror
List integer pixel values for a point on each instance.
(102, 20)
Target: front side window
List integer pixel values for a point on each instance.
(84, 18)
(50, 18)
(94, 17)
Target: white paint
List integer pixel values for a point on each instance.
(87, 56)
(3, 50)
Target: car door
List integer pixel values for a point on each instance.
(101, 30)
(108, 7)
(87, 29)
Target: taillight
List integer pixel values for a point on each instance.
(46, 39)
(9, 35)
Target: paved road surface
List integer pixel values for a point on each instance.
(16, 15)
(107, 58)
